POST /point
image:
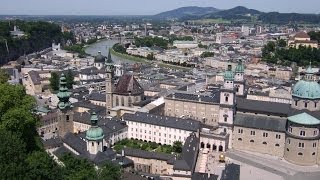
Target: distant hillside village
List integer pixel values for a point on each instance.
(179, 110)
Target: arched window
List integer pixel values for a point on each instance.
(296, 103)
(129, 101)
(239, 139)
(122, 101)
(265, 143)
(117, 101)
(314, 153)
(305, 104)
(226, 98)
(251, 141)
(300, 154)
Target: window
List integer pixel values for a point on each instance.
(265, 134)
(278, 136)
(314, 153)
(314, 144)
(98, 143)
(240, 131)
(290, 129)
(288, 141)
(305, 104)
(302, 133)
(288, 149)
(315, 132)
(301, 145)
(225, 119)
(265, 143)
(92, 144)
(251, 141)
(239, 139)
(296, 103)
(253, 133)
(226, 98)
(277, 145)
(300, 154)
(315, 104)
(67, 118)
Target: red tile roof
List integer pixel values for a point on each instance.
(128, 85)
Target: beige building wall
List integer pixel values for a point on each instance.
(250, 139)
(152, 166)
(201, 111)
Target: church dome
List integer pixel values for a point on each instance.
(99, 58)
(228, 74)
(306, 90)
(94, 132)
(239, 68)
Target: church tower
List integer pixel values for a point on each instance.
(227, 104)
(109, 83)
(94, 136)
(239, 81)
(65, 113)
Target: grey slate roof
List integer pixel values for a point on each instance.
(188, 158)
(166, 121)
(35, 77)
(96, 96)
(262, 107)
(147, 155)
(203, 176)
(213, 99)
(270, 123)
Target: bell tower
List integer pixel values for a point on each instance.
(65, 113)
(109, 83)
(239, 81)
(227, 104)
(94, 136)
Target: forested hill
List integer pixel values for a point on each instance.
(38, 36)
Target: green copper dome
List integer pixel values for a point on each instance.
(63, 94)
(306, 89)
(228, 74)
(239, 68)
(94, 132)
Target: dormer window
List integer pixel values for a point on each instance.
(296, 103)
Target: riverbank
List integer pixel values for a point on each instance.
(146, 61)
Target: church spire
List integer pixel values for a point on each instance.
(63, 94)
(109, 60)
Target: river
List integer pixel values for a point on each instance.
(103, 46)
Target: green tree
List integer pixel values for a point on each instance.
(12, 156)
(4, 77)
(40, 165)
(109, 171)
(177, 146)
(207, 54)
(54, 81)
(69, 79)
(281, 43)
(77, 168)
(150, 56)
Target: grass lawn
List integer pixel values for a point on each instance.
(147, 146)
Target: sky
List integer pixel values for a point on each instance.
(145, 7)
